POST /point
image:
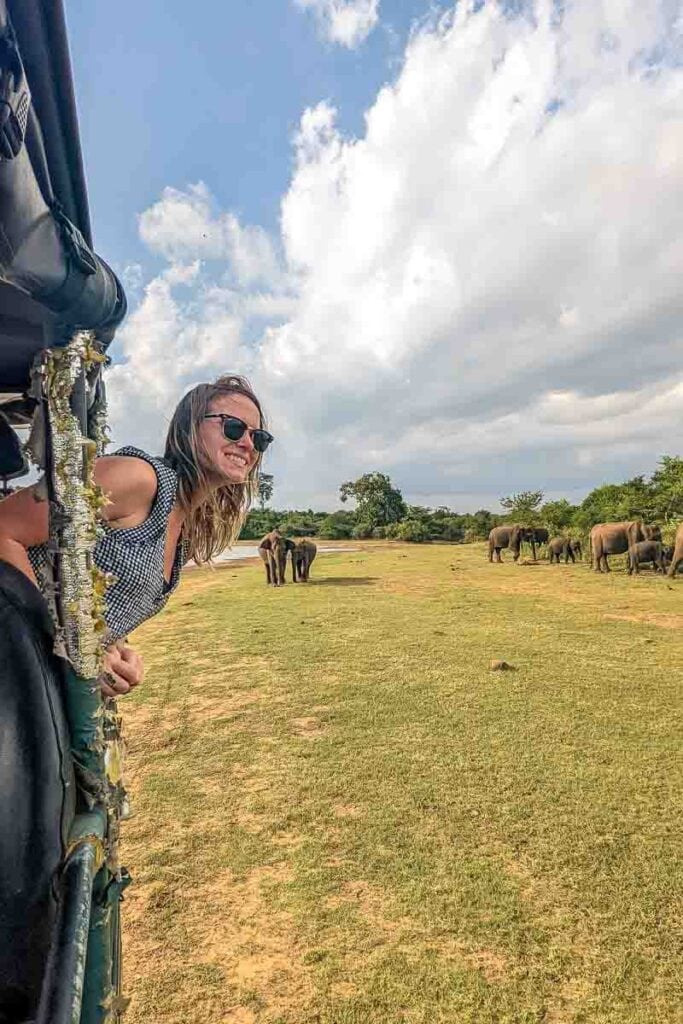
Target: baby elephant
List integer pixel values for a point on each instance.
(646, 551)
(559, 546)
(303, 553)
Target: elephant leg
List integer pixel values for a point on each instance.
(267, 574)
(274, 571)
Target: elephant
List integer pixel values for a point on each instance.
(645, 551)
(273, 551)
(653, 532)
(506, 537)
(613, 539)
(536, 535)
(576, 548)
(668, 554)
(677, 557)
(559, 546)
(303, 553)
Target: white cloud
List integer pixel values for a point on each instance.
(184, 225)
(347, 22)
(481, 293)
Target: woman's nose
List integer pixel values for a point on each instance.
(246, 441)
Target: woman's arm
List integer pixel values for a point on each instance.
(129, 483)
(131, 486)
(23, 524)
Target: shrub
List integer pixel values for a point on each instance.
(361, 531)
(412, 530)
(451, 530)
(332, 528)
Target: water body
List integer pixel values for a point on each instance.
(251, 551)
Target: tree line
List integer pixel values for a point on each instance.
(381, 513)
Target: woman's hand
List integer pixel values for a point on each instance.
(122, 670)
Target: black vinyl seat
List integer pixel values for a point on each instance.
(37, 791)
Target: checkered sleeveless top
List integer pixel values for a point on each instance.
(134, 556)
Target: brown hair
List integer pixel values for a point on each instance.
(213, 515)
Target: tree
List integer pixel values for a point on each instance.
(557, 515)
(614, 503)
(478, 525)
(666, 487)
(265, 489)
(378, 502)
(523, 506)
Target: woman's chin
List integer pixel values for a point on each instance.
(234, 475)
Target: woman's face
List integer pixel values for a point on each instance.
(231, 460)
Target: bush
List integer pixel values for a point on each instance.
(379, 532)
(412, 530)
(452, 531)
(332, 528)
(362, 531)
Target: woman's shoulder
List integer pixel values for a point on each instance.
(129, 481)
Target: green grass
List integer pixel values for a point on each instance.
(344, 817)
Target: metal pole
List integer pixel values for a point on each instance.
(60, 1001)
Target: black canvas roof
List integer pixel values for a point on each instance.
(53, 146)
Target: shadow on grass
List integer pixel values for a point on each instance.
(344, 581)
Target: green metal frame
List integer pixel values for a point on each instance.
(82, 983)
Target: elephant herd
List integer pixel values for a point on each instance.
(274, 549)
(642, 544)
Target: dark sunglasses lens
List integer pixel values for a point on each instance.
(261, 439)
(233, 429)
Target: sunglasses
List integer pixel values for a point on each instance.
(234, 429)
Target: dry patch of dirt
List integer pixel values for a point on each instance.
(494, 966)
(230, 705)
(230, 928)
(661, 619)
(411, 937)
(308, 728)
(346, 811)
(256, 946)
(562, 1005)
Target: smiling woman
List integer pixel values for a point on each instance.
(160, 512)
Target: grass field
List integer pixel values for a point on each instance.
(343, 816)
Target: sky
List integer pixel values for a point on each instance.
(443, 241)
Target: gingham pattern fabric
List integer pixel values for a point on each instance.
(134, 556)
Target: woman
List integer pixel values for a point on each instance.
(189, 505)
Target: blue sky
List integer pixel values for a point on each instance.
(167, 98)
(444, 241)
